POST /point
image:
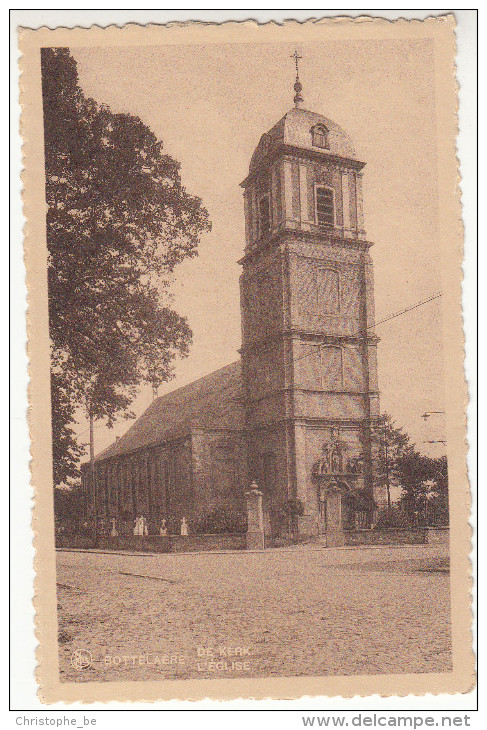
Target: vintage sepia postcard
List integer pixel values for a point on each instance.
(243, 247)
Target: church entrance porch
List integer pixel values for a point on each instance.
(341, 506)
(342, 501)
(331, 514)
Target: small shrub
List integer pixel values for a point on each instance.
(223, 520)
(438, 515)
(277, 521)
(293, 508)
(283, 517)
(393, 518)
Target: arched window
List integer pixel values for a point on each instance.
(264, 215)
(134, 484)
(269, 472)
(166, 483)
(325, 206)
(149, 484)
(104, 491)
(331, 361)
(319, 135)
(327, 290)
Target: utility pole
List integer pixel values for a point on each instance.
(369, 475)
(385, 450)
(93, 472)
(388, 486)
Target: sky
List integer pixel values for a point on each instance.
(211, 104)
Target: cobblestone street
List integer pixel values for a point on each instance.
(303, 611)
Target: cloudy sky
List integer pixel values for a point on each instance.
(210, 105)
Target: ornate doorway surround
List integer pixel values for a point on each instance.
(339, 488)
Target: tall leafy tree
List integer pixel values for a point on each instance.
(392, 443)
(424, 482)
(118, 222)
(413, 471)
(439, 500)
(66, 452)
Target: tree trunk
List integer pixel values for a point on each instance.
(93, 477)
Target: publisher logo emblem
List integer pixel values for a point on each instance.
(81, 659)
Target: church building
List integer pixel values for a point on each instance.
(295, 413)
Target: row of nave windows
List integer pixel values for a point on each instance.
(129, 482)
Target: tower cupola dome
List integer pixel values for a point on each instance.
(305, 130)
(304, 175)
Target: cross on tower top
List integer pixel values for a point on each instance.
(297, 85)
(296, 57)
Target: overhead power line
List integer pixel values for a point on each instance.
(408, 309)
(381, 321)
(321, 345)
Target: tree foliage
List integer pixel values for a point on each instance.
(68, 507)
(393, 518)
(423, 480)
(118, 221)
(392, 444)
(223, 520)
(66, 452)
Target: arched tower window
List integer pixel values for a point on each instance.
(327, 290)
(325, 206)
(319, 135)
(331, 362)
(264, 215)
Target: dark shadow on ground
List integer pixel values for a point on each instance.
(422, 565)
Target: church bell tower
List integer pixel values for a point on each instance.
(309, 352)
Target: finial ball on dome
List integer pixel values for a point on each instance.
(298, 87)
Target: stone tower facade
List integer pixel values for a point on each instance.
(309, 352)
